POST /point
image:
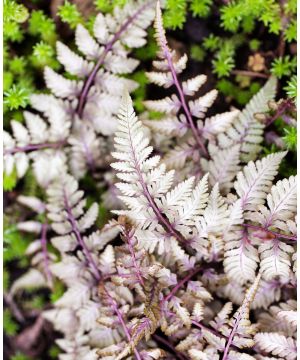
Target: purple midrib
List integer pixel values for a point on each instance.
(90, 80)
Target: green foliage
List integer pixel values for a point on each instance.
(44, 55)
(14, 14)
(15, 244)
(16, 97)
(108, 5)
(176, 11)
(7, 80)
(291, 31)
(69, 13)
(224, 60)
(147, 52)
(20, 356)
(57, 291)
(201, 8)
(243, 13)
(283, 66)
(291, 87)
(54, 351)
(9, 325)
(224, 52)
(18, 65)
(197, 53)
(42, 26)
(37, 302)
(5, 279)
(10, 181)
(140, 92)
(290, 138)
(254, 44)
(241, 96)
(212, 42)
(175, 14)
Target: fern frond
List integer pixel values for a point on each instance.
(255, 181)
(275, 259)
(197, 130)
(276, 344)
(223, 167)
(146, 185)
(29, 145)
(245, 129)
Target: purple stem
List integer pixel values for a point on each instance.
(182, 99)
(284, 106)
(45, 253)
(121, 320)
(213, 331)
(168, 227)
(8, 298)
(180, 284)
(32, 147)
(128, 238)
(230, 339)
(89, 81)
(79, 239)
(89, 156)
(255, 227)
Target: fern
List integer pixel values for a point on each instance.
(181, 113)
(77, 309)
(200, 262)
(83, 107)
(159, 211)
(253, 187)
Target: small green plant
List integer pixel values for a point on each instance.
(16, 97)
(283, 66)
(291, 87)
(69, 13)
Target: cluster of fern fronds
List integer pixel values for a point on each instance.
(197, 257)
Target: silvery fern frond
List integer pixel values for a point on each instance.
(239, 330)
(246, 130)
(81, 108)
(277, 344)
(183, 117)
(232, 136)
(166, 75)
(39, 143)
(275, 254)
(76, 312)
(222, 166)
(248, 244)
(185, 213)
(255, 181)
(96, 92)
(280, 318)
